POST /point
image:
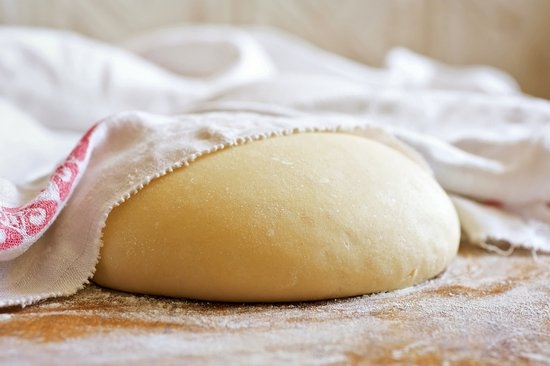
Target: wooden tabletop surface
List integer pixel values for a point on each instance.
(486, 309)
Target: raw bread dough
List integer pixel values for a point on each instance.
(302, 217)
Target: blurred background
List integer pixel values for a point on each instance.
(512, 35)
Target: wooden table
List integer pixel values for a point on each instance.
(485, 309)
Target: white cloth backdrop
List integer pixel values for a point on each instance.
(83, 125)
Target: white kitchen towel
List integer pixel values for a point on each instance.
(199, 89)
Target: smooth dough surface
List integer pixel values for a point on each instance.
(302, 217)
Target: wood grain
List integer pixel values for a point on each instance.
(484, 310)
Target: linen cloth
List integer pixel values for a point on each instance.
(84, 125)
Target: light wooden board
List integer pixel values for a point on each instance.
(485, 309)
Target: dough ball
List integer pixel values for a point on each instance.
(302, 217)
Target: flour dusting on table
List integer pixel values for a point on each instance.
(484, 309)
